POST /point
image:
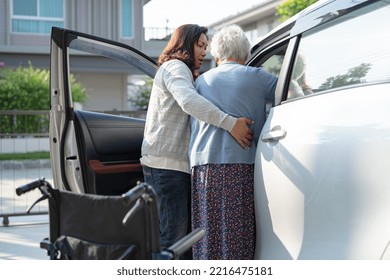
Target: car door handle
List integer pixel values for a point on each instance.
(275, 134)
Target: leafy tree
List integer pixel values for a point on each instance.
(27, 88)
(354, 75)
(289, 8)
(142, 100)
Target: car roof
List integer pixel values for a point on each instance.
(325, 11)
(316, 14)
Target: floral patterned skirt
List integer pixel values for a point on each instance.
(223, 205)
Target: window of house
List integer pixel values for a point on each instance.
(127, 18)
(36, 16)
(347, 52)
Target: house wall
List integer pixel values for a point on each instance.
(256, 21)
(97, 17)
(105, 91)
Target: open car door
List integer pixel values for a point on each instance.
(92, 152)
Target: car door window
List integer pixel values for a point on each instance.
(272, 60)
(117, 79)
(339, 55)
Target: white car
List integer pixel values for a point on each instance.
(322, 174)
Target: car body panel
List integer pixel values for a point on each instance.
(321, 179)
(324, 209)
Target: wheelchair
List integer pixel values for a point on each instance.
(101, 227)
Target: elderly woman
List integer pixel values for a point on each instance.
(222, 172)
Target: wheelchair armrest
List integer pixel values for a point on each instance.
(184, 244)
(49, 247)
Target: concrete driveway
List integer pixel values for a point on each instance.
(20, 240)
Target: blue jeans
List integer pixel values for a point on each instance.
(173, 190)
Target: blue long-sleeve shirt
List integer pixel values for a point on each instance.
(240, 91)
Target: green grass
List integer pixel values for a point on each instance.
(23, 156)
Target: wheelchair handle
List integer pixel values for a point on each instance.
(136, 192)
(30, 186)
(40, 184)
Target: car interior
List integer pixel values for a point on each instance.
(112, 149)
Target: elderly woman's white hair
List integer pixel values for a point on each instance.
(230, 42)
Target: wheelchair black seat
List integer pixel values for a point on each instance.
(90, 226)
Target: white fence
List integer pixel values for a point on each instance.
(24, 145)
(24, 132)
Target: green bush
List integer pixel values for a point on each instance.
(28, 88)
(24, 156)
